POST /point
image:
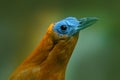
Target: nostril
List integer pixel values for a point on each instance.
(81, 22)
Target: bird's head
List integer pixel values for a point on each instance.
(70, 26)
(62, 37)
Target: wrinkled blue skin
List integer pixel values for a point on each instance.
(73, 25)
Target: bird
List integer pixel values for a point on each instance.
(50, 58)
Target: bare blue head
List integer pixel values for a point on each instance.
(70, 25)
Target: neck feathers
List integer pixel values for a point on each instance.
(50, 58)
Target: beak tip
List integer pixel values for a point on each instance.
(96, 18)
(93, 18)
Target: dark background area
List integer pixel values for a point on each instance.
(97, 54)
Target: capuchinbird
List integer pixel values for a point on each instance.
(49, 60)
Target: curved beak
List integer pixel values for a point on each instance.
(86, 22)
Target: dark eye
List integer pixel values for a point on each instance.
(63, 27)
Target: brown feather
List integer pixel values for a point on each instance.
(49, 60)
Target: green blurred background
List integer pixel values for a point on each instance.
(97, 54)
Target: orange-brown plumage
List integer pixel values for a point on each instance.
(49, 60)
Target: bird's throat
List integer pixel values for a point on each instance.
(60, 54)
(57, 60)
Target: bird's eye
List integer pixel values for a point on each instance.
(63, 27)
